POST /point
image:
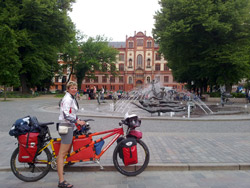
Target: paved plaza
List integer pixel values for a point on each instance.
(191, 151)
(148, 179)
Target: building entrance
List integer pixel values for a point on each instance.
(138, 84)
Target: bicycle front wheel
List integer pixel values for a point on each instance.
(30, 172)
(135, 169)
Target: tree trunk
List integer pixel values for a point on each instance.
(79, 84)
(5, 95)
(228, 88)
(25, 88)
(71, 72)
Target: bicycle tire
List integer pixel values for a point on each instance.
(30, 172)
(132, 170)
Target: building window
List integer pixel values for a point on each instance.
(149, 44)
(96, 80)
(130, 63)
(166, 79)
(112, 79)
(139, 42)
(56, 78)
(87, 80)
(64, 78)
(121, 57)
(120, 79)
(104, 79)
(121, 67)
(139, 61)
(166, 67)
(130, 80)
(139, 75)
(148, 79)
(158, 57)
(112, 87)
(65, 70)
(157, 67)
(120, 87)
(148, 62)
(130, 44)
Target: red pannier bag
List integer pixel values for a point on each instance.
(128, 151)
(86, 153)
(27, 147)
(56, 145)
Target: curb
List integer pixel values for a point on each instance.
(161, 167)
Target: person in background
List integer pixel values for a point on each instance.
(94, 92)
(68, 117)
(102, 94)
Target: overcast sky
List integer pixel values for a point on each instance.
(114, 18)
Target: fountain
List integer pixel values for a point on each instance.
(156, 99)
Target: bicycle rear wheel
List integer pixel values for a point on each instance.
(135, 169)
(30, 172)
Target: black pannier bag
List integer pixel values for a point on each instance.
(24, 125)
(128, 151)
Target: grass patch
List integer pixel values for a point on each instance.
(5, 100)
(59, 95)
(17, 95)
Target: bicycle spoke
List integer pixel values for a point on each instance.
(135, 169)
(31, 171)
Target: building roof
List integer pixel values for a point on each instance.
(117, 44)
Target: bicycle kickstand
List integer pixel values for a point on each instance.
(98, 162)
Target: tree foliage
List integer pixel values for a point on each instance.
(40, 29)
(206, 42)
(70, 55)
(94, 54)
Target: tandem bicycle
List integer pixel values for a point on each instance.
(130, 156)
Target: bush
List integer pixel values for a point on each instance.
(215, 94)
(234, 95)
(238, 95)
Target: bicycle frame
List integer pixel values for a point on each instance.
(117, 132)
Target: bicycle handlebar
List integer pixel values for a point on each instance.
(45, 124)
(121, 122)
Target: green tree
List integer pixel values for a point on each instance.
(9, 61)
(42, 28)
(95, 55)
(205, 41)
(71, 54)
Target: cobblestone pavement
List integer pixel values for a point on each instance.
(190, 144)
(152, 179)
